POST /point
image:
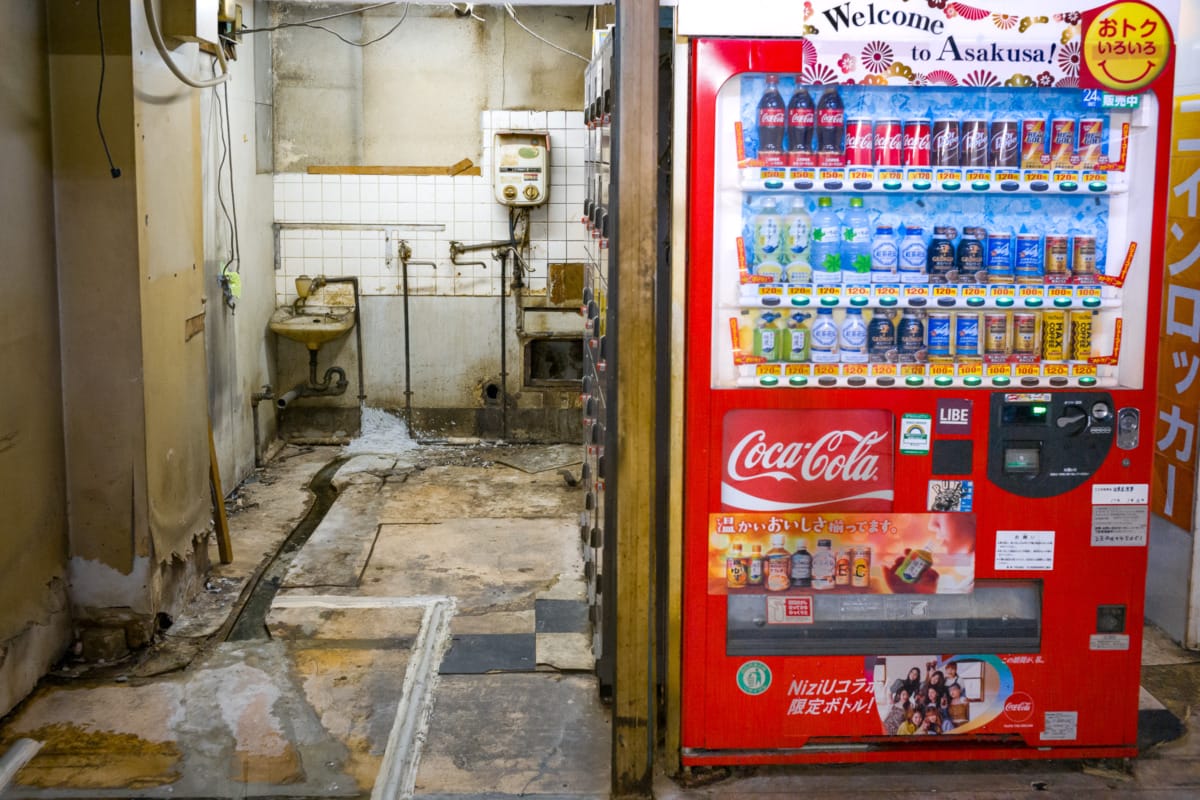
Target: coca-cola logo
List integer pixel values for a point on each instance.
(797, 459)
(888, 142)
(920, 142)
(803, 116)
(771, 117)
(828, 117)
(1018, 707)
(860, 141)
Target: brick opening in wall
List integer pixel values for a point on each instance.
(554, 361)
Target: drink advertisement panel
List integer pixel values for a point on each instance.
(841, 553)
(787, 460)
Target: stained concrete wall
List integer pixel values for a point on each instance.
(240, 355)
(34, 620)
(414, 97)
(132, 304)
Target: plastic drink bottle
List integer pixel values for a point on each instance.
(912, 257)
(856, 244)
(768, 239)
(823, 337)
(772, 123)
(779, 565)
(797, 231)
(825, 251)
(796, 341)
(766, 336)
(802, 563)
(852, 338)
(885, 255)
(801, 120)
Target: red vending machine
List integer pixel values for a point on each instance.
(925, 243)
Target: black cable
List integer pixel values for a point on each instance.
(112, 168)
(310, 24)
(237, 242)
(216, 104)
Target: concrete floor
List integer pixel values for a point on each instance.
(430, 638)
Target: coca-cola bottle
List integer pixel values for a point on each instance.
(831, 128)
(772, 123)
(801, 119)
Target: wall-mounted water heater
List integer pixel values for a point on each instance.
(521, 167)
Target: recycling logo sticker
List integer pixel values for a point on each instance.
(754, 677)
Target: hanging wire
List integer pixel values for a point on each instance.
(508, 7)
(237, 243)
(218, 113)
(112, 168)
(311, 23)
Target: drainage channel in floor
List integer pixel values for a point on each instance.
(251, 622)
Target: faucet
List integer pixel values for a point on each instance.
(305, 286)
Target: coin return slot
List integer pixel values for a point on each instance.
(1022, 459)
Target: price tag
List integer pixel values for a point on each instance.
(945, 291)
(919, 174)
(825, 369)
(948, 175)
(768, 369)
(887, 291)
(858, 290)
(978, 175)
(912, 369)
(797, 369)
(886, 174)
(830, 174)
(804, 291)
(941, 369)
(1006, 175)
(829, 291)
(1036, 175)
(1028, 370)
(861, 174)
(1089, 291)
(974, 291)
(775, 173)
(1059, 291)
(802, 174)
(1066, 176)
(883, 369)
(1002, 290)
(854, 369)
(970, 368)
(1030, 291)
(1055, 370)
(1083, 370)
(770, 291)
(916, 291)
(996, 370)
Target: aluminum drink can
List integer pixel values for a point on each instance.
(1028, 262)
(1081, 335)
(910, 335)
(937, 326)
(944, 149)
(974, 143)
(915, 144)
(1091, 141)
(859, 142)
(1083, 258)
(995, 333)
(1003, 146)
(1054, 324)
(888, 143)
(1025, 333)
(1062, 142)
(1057, 265)
(966, 335)
(1033, 143)
(999, 257)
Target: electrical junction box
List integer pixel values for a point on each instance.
(521, 168)
(191, 20)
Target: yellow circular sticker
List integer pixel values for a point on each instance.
(1127, 46)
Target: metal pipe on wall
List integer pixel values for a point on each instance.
(405, 255)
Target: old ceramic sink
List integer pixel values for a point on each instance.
(312, 325)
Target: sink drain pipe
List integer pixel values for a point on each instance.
(405, 260)
(326, 388)
(362, 389)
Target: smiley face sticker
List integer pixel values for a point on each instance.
(1127, 46)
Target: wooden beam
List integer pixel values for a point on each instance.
(224, 545)
(635, 163)
(464, 167)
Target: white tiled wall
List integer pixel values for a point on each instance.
(376, 211)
